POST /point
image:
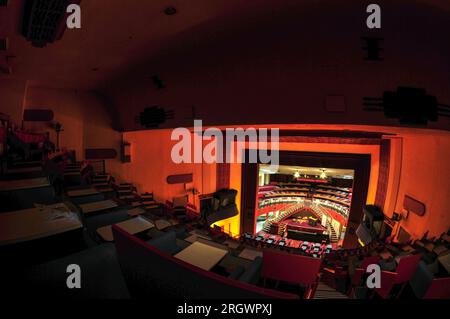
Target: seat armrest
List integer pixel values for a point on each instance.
(357, 275)
(252, 274)
(388, 278)
(166, 243)
(236, 273)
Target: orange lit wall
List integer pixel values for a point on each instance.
(424, 171)
(85, 120)
(151, 163)
(425, 175)
(12, 94)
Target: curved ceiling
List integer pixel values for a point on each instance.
(118, 36)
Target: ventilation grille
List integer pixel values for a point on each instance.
(408, 105)
(44, 20)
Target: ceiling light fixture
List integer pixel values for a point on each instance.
(296, 174)
(323, 175)
(169, 11)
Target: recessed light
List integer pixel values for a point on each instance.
(170, 11)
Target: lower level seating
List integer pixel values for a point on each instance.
(27, 198)
(250, 275)
(104, 219)
(101, 276)
(166, 243)
(150, 273)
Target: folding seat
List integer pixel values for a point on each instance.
(404, 272)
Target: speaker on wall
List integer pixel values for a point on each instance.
(100, 153)
(38, 115)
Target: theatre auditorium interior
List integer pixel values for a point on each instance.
(96, 203)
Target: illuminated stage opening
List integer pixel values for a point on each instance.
(306, 204)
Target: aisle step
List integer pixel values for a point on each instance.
(324, 291)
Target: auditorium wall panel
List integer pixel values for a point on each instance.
(425, 176)
(12, 94)
(151, 163)
(419, 168)
(84, 118)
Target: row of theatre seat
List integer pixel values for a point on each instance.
(401, 266)
(300, 247)
(345, 270)
(130, 267)
(134, 268)
(410, 270)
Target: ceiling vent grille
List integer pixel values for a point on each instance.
(153, 117)
(409, 105)
(44, 21)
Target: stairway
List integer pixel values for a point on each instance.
(282, 229)
(267, 225)
(324, 291)
(288, 210)
(333, 236)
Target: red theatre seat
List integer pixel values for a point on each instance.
(405, 270)
(360, 271)
(290, 268)
(30, 137)
(439, 289)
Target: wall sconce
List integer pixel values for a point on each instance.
(126, 152)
